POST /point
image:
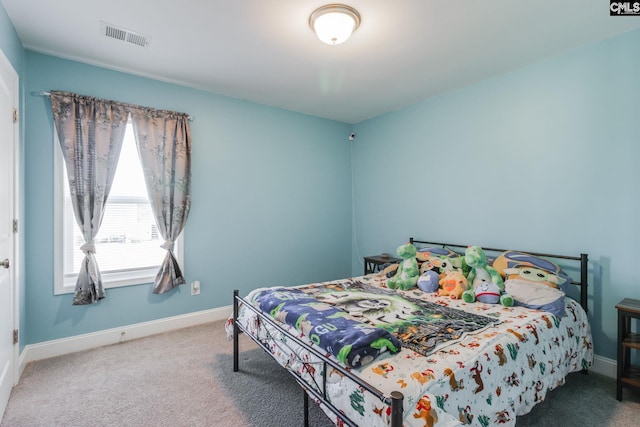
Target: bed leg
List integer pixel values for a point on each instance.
(235, 330)
(397, 399)
(584, 280)
(306, 408)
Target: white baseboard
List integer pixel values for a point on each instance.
(59, 347)
(604, 366)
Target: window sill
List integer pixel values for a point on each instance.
(112, 280)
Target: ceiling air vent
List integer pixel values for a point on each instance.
(122, 34)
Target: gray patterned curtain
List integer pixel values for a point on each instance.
(91, 132)
(164, 144)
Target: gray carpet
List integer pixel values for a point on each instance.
(185, 378)
(260, 374)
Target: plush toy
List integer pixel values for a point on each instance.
(453, 283)
(407, 273)
(426, 261)
(429, 281)
(485, 281)
(438, 259)
(487, 292)
(427, 265)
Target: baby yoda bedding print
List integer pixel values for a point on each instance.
(483, 379)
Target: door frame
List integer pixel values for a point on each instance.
(15, 262)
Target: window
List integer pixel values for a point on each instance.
(128, 244)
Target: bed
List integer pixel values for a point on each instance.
(463, 364)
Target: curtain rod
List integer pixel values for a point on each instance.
(46, 94)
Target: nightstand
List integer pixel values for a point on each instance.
(373, 263)
(628, 375)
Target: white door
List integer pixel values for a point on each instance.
(8, 166)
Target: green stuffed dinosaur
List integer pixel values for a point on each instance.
(485, 282)
(406, 276)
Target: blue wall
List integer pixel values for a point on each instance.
(271, 200)
(544, 159)
(9, 42)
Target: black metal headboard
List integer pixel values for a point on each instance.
(583, 259)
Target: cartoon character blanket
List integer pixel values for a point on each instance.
(356, 322)
(422, 326)
(352, 342)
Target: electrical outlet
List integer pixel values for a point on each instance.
(195, 287)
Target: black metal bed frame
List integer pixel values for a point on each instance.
(395, 399)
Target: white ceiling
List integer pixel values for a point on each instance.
(264, 51)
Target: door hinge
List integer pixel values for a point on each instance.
(15, 336)
(15, 115)
(15, 225)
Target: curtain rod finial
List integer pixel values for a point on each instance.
(41, 93)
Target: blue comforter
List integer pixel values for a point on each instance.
(352, 342)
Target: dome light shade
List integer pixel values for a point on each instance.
(334, 23)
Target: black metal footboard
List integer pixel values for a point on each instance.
(318, 391)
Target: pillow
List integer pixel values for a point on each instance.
(532, 281)
(514, 264)
(536, 296)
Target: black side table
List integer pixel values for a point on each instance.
(373, 263)
(628, 375)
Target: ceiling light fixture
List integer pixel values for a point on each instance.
(334, 23)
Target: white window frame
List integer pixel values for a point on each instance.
(66, 284)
